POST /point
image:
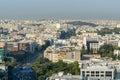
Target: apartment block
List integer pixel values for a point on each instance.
(97, 72)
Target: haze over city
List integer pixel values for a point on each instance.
(60, 9)
(59, 40)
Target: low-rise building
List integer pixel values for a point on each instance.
(61, 76)
(117, 52)
(97, 72)
(67, 54)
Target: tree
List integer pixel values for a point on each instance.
(83, 51)
(108, 31)
(117, 48)
(75, 68)
(106, 50)
(45, 68)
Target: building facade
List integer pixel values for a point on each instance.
(67, 54)
(97, 72)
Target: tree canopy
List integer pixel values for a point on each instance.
(108, 31)
(106, 50)
(45, 68)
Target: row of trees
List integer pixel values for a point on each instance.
(108, 31)
(106, 50)
(45, 68)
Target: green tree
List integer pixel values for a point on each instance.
(45, 68)
(106, 50)
(108, 31)
(75, 68)
(83, 51)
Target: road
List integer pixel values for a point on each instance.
(31, 59)
(18, 70)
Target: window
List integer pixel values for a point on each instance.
(108, 73)
(92, 73)
(87, 75)
(102, 71)
(73, 55)
(102, 75)
(87, 71)
(83, 73)
(97, 73)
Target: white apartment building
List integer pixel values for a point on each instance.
(97, 72)
(94, 46)
(91, 43)
(117, 52)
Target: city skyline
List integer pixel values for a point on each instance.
(62, 9)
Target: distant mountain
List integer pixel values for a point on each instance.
(81, 23)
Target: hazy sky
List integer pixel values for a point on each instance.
(60, 9)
